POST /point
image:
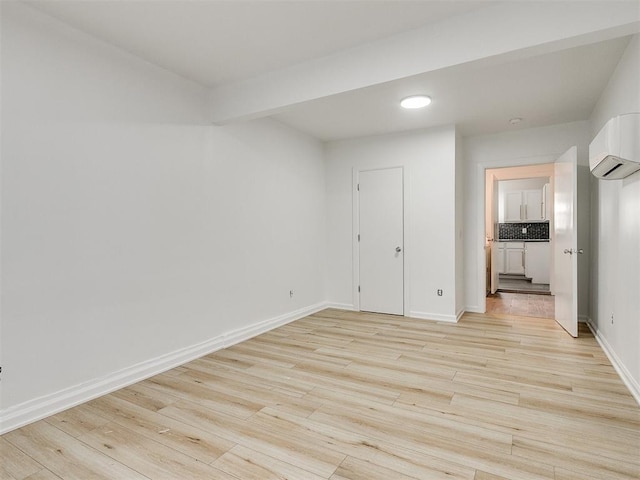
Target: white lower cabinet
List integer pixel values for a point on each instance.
(514, 258)
(501, 265)
(538, 261)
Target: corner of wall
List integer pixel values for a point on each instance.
(39, 408)
(627, 378)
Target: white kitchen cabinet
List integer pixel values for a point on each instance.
(513, 206)
(533, 208)
(523, 206)
(538, 261)
(514, 258)
(500, 252)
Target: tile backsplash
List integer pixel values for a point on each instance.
(513, 231)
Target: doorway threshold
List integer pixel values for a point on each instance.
(516, 290)
(521, 284)
(523, 304)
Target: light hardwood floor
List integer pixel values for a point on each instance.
(524, 304)
(341, 395)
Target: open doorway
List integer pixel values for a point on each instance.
(522, 234)
(564, 250)
(519, 226)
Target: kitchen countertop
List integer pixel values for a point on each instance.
(523, 240)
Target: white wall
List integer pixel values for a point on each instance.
(428, 158)
(520, 147)
(615, 261)
(131, 230)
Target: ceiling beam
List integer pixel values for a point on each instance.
(493, 34)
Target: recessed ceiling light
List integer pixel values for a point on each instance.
(515, 120)
(415, 101)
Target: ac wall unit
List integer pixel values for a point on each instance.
(615, 152)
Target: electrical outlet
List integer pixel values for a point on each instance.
(439, 292)
(524, 229)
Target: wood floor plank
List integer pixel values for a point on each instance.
(248, 379)
(15, 464)
(353, 395)
(248, 392)
(611, 398)
(386, 453)
(281, 445)
(589, 463)
(451, 388)
(480, 475)
(43, 475)
(355, 469)
(536, 424)
(66, 456)
(452, 449)
(78, 420)
(144, 455)
(593, 410)
(514, 380)
(245, 356)
(295, 357)
(406, 375)
(195, 442)
(310, 378)
(564, 474)
(247, 464)
(199, 392)
(146, 397)
(394, 422)
(449, 346)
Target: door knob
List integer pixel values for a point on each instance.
(569, 251)
(580, 251)
(398, 249)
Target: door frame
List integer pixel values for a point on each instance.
(494, 206)
(534, 162)
(405, 230)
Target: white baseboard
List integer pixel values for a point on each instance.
(41, 407)
(474, 309)
(625, 375)
(421, 315)
(341, 306)
(245, 333)
(435, 316)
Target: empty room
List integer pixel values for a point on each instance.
(307, 240)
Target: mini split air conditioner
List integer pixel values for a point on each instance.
(615, 152)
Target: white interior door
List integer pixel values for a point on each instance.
(566, 241)
(381, 252)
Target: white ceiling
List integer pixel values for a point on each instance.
(223, 43)
(542, 90)
(213, 42)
